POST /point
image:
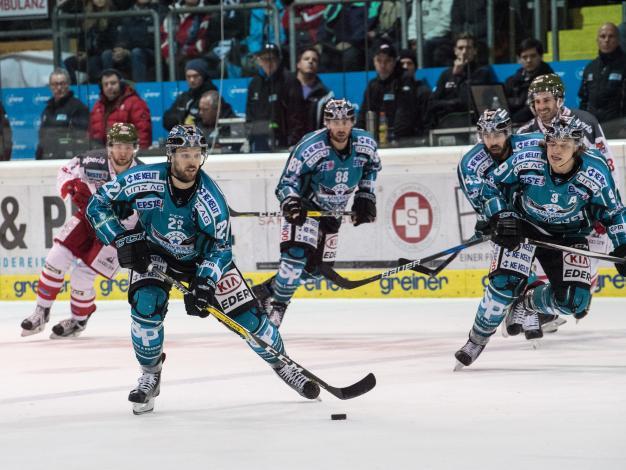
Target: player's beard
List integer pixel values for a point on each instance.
(187, 174)
(498, 152)
(122, 161)
(340, 137)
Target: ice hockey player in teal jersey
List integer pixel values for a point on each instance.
(554, 193)
(184, 230)
(497, 143)
(324, 170)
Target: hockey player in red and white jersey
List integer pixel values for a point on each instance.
(76, 244)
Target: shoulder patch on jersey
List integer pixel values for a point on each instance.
(524, 155)
(314, 153)
(144, 188)
(207, 198)
(596, 175)
(478, 160)
(135, 176)
(529, 165)
(588, 182)
(526, 143)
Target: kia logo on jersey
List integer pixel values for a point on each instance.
(229, 283)
(576, 260)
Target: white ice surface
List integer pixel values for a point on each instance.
(63, 403)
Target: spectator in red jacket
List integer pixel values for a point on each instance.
(119, 102)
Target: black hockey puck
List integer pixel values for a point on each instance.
(338, 416)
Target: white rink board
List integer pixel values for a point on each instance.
(420, 209)
(63, 403)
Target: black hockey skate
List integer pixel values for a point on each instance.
(148, 388)
(532, 328)
(277, 313)
(36, 322)
(470, 351)
(263, 293)
(514, 320)
(69, 328)
(292, 376)
(550, 323)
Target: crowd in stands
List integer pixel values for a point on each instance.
(282, 105)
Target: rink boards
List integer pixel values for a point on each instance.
(421, 211)
(450, 283)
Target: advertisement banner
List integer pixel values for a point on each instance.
(454, 283)
(11, 9)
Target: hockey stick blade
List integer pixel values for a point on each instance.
(310, 213)
(355, 390)
(345, 283)
(430, 271)
(343, 393)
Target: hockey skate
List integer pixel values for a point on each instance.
(292, 376)
(36, 322)
(514, 320)
(470, 351)
(69, 328)
(263, 293)
(551, 323)
(148, 388)
(532, 328)
(277, 313)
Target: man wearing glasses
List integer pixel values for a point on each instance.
(64, 121)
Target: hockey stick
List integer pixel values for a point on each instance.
(235, 213)
(430, 271)
(345, 283)
(344, 393)
(578, 251)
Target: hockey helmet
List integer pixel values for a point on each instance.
(494, 121)
(336, 109)
(122, 133)
(550, 83)
(566, 128)
(185, 136)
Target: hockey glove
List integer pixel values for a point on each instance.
(293, 212)
(364, 208)
(78, 191)
(201, 296)
(507, 230)
(133, 251)
(620, 252)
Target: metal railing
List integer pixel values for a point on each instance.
(169, 19)
(59, 33)
(299, 3)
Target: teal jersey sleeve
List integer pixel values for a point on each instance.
(605, 203)
(472, 172)
(118, 197)
(366, 146)
(503, 182)
(214, 241)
